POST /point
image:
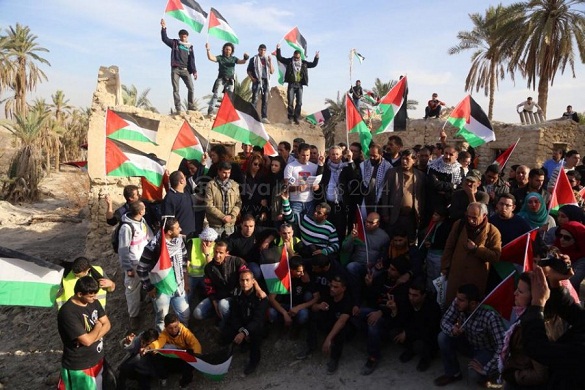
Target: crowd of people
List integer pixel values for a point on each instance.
(365, 238)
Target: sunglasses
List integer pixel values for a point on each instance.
(565, 237)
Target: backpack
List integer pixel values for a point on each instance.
(116, 235)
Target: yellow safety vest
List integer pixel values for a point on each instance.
(197, 261)
(69, 289)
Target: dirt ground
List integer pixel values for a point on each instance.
(30, 348)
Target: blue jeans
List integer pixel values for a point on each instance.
(161, 308)
(205, 309)
(183, 74)
(374, 332)
(228, 85)
(261, 88)
(195, 285)
(356, 102)
(302, 208)
(300, 319)
(449, 347)
(294, 91)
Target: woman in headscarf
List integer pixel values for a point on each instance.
(276, 181)
(517, 369)
(535, 213)
(566, 213)
(255, 190)
(571, 242)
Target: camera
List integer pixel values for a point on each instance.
(556, 264)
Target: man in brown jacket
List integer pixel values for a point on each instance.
(472, 245)
(223, 201)
(403, 197)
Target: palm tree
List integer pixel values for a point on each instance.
(337, 111)
(131, 97)
(487, 60)
(25, 170)
(6, 67)
(243, 89)
(22, 52)
(60, 105)
(546, 33)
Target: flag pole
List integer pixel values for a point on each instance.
(289, 277)
(431, 227)
(556, 182)
(351, 53)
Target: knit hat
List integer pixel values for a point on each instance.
(208, 234)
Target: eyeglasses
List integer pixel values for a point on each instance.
(506, 205)
(565, 237)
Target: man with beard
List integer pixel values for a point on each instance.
(445, 175)
(373, 171)
(472, 246)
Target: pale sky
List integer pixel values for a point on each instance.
(395, 37)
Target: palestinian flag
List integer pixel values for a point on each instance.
(281, 70)
(503, 158)
(187, 145)
(162, 276)
(123, 161)
(390, 104)
(519, 251)
(368, 98)
(472, 122)
(319, 118)
(28, 281)
(359, 57)
(77, 164)
(297, 41)
(355, 124)
(188, 12)
(122, 126)
(277, 275)
(212, 365)
(562, 193)
(90, 378)
(238, 119)
(219, 28)
(501, 298)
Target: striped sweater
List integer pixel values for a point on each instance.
(323, 236)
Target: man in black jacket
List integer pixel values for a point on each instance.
(182, 65)
(563, 357)
(296, 75)
(246, 322)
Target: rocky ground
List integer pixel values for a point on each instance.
(30, 349)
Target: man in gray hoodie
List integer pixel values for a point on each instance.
(134, 234)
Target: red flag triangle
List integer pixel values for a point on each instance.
(502, 297)
(114, 122)
(283, 270)
(562, 193)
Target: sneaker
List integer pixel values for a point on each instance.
(406, 356)
(305, 353)
(265, 121)
(423, 364)
(250, 368)
(369, 367)
(296, 121)
(445, 380)
(332, 366)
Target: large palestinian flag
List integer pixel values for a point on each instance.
(188, 12)
(355, 124)
(28, 281)
(281, 70)
(162, 276)
(122, 126)
(501, 298)
(390, 104)
(219, 27)
(238, 119)
(319, 118)
(277, 275)
(188, 145)
(472, 122)
(296, 40)
(212, 365)
(123, 161)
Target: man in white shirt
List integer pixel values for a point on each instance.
(296, 175)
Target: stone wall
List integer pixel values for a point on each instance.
(108, 95)
(535, 146)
